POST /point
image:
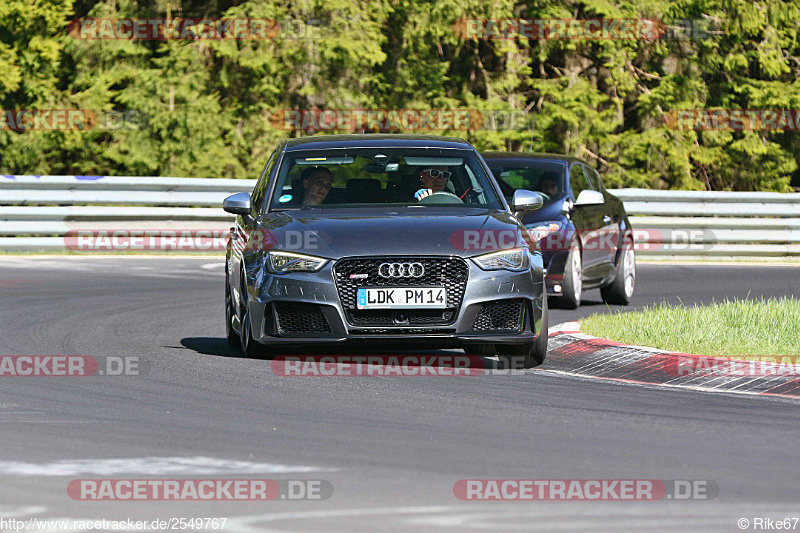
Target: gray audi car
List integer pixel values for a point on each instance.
(393, 241)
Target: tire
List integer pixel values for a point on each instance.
(528, 355)
(230, 333)
(620, 290)
(250, 348)
(572, 286)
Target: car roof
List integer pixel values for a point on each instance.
(530, 155)
(374, 140)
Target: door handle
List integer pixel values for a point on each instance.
(606, 220)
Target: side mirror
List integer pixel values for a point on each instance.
(589, 197)
(525, 201)
(238, 204)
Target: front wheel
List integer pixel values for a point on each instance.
(250, 348)
(620, 290)
(530, 354)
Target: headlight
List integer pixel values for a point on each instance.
(289, 262)
(513, 259)
(540, 230)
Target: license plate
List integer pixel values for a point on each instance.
(402, 298)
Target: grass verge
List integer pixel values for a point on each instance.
(744, 328)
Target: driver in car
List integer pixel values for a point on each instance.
(433, 179)
(548, 185)
(317, 184)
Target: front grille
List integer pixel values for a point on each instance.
(300, 318)
(401, 331)
(502, 315)
(450, 272)
(389, 317)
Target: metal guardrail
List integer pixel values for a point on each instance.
(714, 225)
(36, 212)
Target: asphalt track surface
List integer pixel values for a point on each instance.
(391, 447)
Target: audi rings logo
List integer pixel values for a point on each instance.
(401, 270)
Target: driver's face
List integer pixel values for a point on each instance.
(317, 186)
(549, 187)
(429, 182)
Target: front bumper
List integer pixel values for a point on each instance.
(316, 304)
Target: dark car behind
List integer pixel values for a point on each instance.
(582, 229)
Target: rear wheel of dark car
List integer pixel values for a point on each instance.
(572, 286)
(620, 290)
(527, 355)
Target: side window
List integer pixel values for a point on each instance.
(578, 179)
(594, 176)
(500, 176)
(262, 184)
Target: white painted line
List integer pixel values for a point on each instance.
(565, 327)
(511, 521)
(37, 421)
(695, 388)
(248, 524)
(153, 466)
(547, 516)
(746, 383)
(6, 511)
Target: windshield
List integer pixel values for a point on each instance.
(364, 177)
(540, 175)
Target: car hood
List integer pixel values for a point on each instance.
(339, 233)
